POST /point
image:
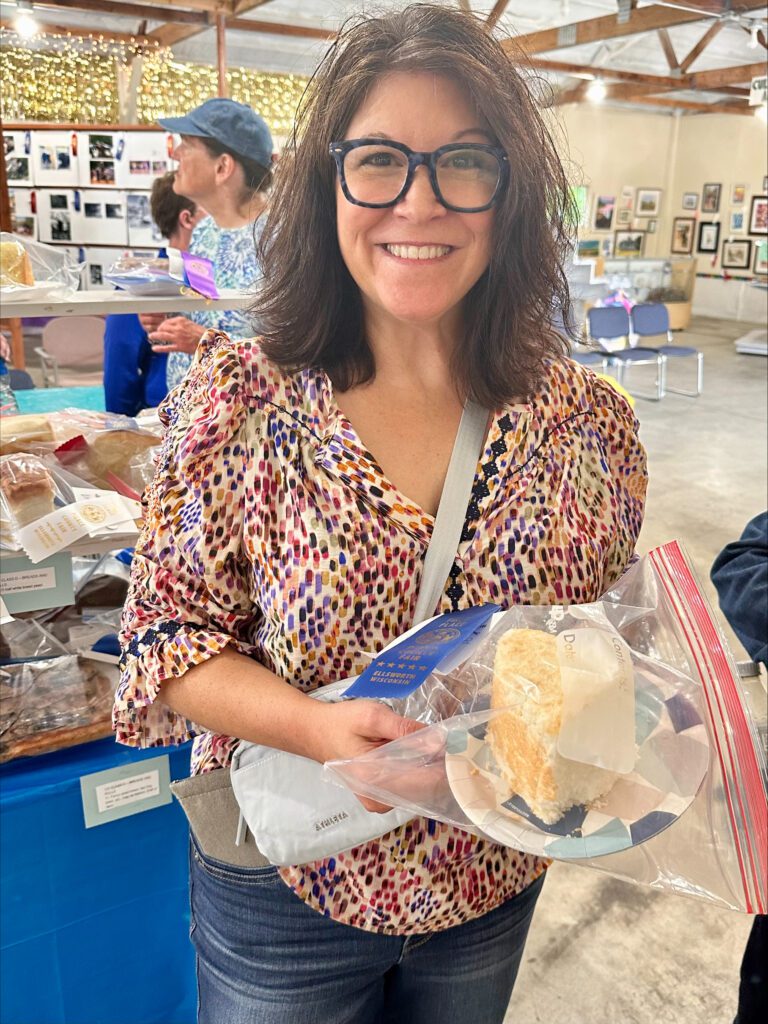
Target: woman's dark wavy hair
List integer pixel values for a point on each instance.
(310, 307)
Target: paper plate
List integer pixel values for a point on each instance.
(673, 756)
(32, 293)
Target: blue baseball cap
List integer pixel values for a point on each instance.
(235, 125)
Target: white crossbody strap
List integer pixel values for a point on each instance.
(452, 509)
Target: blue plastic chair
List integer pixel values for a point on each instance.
(607, 325)
(651, 319)
(588, 357)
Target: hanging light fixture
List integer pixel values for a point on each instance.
(597, 90)
(24, 23)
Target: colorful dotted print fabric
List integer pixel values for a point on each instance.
(269, 527)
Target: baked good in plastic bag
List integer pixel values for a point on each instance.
(105, 450)
(687, 809)
(52, 703)
(31, 271)
(15, 265)
(27, 487)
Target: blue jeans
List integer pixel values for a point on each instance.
(264, 957)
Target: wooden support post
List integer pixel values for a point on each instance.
(6, 223)
(221, 53)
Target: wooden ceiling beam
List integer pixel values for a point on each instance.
(169, 35)
(542, 64)
(83, 33)
(739, 75)
(595, 30)
(128, 10)
(668, 48)
(702, 108)
(701, 46)
(276, 29)
(498, 9)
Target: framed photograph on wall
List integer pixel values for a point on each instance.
(588, 248)
(736, 253)
(760, 265)
(709, 236)
(648, 203)
(758, 216)
(604, 207)
(738, 194)
(765, 183)
(627, 197)
(682, 235)
(710, 198)
(628, 244)
(690, 200)
(737, 222)
(623, 217)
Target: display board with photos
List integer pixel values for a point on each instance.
(17, 152)
(85, 187)
(23, 212)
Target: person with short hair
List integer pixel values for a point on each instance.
(134, 373)
(413, 258)
(225, 159)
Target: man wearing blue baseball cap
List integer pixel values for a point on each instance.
(224, 165)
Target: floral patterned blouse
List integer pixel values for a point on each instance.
(235, 264)
(271, 529)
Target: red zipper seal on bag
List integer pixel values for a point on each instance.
(703, 639)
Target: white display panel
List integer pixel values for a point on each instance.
(17, 149)
(100, 217)
(96, 153)
(140, 157)
(142, 230)
(23, 218)
(54, 159)
(55, 214)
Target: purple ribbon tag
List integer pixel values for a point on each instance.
(198, 275)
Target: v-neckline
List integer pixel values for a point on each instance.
(390, 499)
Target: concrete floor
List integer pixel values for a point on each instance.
(602, 951)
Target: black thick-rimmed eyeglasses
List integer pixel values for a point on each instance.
(467, 177)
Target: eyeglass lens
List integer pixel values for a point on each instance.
(465, 177)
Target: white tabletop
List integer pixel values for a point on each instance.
(87, 303)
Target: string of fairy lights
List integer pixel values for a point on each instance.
(61, 78)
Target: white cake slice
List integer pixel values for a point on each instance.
(524, 738)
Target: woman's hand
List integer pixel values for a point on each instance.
(354, 727)
(151, 321)
(176, 334)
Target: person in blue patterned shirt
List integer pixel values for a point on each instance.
(224, 161)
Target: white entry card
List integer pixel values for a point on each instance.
(598, 718)
(125, 790)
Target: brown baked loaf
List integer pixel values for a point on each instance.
(27, 487)
(524, 738)
(54, 703)
(15, 266)
(20, 433)
(114, 450)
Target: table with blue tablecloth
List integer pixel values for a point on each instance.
(40, 400)
(94, 922)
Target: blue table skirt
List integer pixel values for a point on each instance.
(40, 400)
(94, 923)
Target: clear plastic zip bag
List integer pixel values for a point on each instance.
(682, 803)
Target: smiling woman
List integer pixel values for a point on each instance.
(433, 88)
(412, 261)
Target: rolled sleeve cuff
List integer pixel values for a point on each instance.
(164, 651)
